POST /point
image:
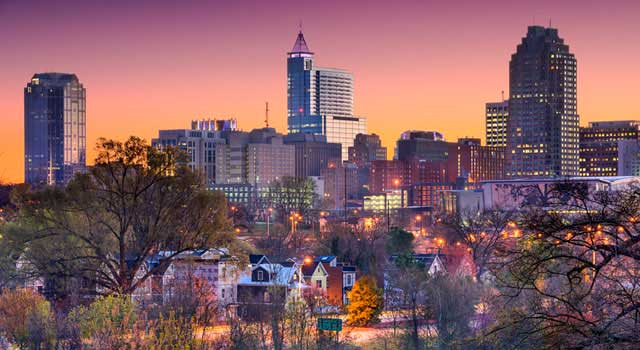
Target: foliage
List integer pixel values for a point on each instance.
(106, 323)
(399, 242)
(365, 302)
(364, 247)
(291, 194)
(136, 201)
(26, 319)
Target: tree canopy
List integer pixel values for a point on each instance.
(123, 220)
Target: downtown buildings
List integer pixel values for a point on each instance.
(543, 122)
(609, 148)
(496, 115)
(320, 100)
(54, 128)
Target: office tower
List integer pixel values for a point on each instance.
(54, 128)
(476, 162)
(426, 145)
(599, 146)
(496, 115)
(313, 153)
(628, 157)
(365, 149)
(226, 156)
(268, 158)
(199, 144)
(215, 124)
(320, 100)
(340, 179)
(543, 123)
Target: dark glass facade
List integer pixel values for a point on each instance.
(54, 128)
(543, 122)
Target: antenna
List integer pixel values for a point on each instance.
(549, 22)
(266, 114)
(300, 25)
(502, 95)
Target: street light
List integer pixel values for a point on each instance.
(269, 210)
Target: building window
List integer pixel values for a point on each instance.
(349, 280)
(318, 284)
(259, 276)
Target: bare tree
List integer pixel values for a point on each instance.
(577, 269)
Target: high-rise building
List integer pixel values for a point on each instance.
(340, 180)
(426, 145)
(313, 153)
(320, 100)
(366, 149)
(543, 122)
(54, 128)
(199, 145)
(599, 146)
(268, 158)
(228, 157)
(476, 162)
(629, 157)
(496, 114)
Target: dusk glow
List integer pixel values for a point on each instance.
(425, 65)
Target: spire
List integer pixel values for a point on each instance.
(300, 47)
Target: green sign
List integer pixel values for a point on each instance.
(330, 324)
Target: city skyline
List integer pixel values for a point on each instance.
(156, 80)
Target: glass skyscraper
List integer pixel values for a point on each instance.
(543, 122)
(54, 128)
(320, 100)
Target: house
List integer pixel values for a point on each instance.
(315, 275)
(265, 283)
(207, 274)
(339, 281)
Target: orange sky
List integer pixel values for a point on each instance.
(417, 64)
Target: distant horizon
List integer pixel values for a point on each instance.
(158, 65)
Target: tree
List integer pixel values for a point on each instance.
(26, 319)
(399, 242)
(451, 305)
(291, 194)
(574, 273)
(137, 201)
(356, 244)
(484, 233)
(106, 323)
(407, 290)
(365, 302)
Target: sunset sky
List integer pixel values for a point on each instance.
(150, 65)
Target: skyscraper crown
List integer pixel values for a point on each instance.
(300, 47)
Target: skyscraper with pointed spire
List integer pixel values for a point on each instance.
(320, 100)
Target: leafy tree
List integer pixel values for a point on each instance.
(135, 202)
(105, 323)
(26, 319)
(399, 241)
(291, 194)
(365, 302)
